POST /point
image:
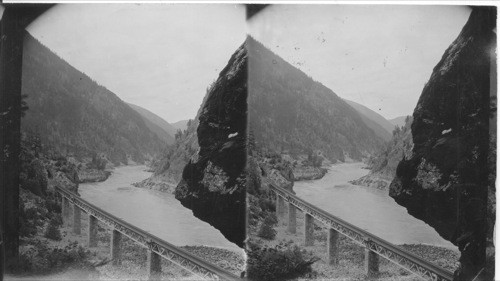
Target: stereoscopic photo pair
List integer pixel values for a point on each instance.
(260, 142)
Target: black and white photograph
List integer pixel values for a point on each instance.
(132, 143)
(371, 151)
(248, 141)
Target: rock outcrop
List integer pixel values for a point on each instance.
(383, 163)
(92, 175)
(308, 173)
(213, 181)
(167, 169)
(447, 180)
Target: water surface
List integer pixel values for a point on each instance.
(156, 212)
(370, 209)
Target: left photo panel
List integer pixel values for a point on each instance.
(123, 139)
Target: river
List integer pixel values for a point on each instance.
(162, 215)
(368, 208)
(156, 212)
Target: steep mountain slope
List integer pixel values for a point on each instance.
(383, 163)
(213, 182)
(373, 120)
(168, 167)
(398, 121)
(449, 182)
(289, 111)
(74, 115)
(156, 124)
(181, 125)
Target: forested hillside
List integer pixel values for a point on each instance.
(168, 166)
(399, 121)
(73, 115)
(156, 124)
(373, 120)
(182, 125)
(383, 164)
(290, 112)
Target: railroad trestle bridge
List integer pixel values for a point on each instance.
(374, 246)
(157, 248)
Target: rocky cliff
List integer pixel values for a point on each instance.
(213, 181)
(383, 163)
(167, 168)
(446, 182)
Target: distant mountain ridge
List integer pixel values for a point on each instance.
(375, 121)
(289, 111)
(156, 124)
(398, 121)
(181, 125)
(75, 115)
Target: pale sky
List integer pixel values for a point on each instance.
(378, 55)
(158, 56)
(163, 56)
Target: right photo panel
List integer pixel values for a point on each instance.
(371, 142)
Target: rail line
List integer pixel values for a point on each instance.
(156, 245)
(391, 252)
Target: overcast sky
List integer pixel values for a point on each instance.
(376, 55)
(158, 56)
(163, 56)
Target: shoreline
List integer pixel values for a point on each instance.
(351, 255)
(96, 265)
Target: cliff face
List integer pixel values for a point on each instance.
(445, 182)
(167, 168)
(213, 182)
(383, 163)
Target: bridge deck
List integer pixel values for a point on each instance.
(393, 253)
(166, 250)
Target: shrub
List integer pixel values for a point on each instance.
(266, 231)
(281, 262)
(267, 205)
(52, 231)
(253, 210)
(28, 220)
(27, 228)
(271, 219)
(32, 213)
(52, 205)
(42, 259)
